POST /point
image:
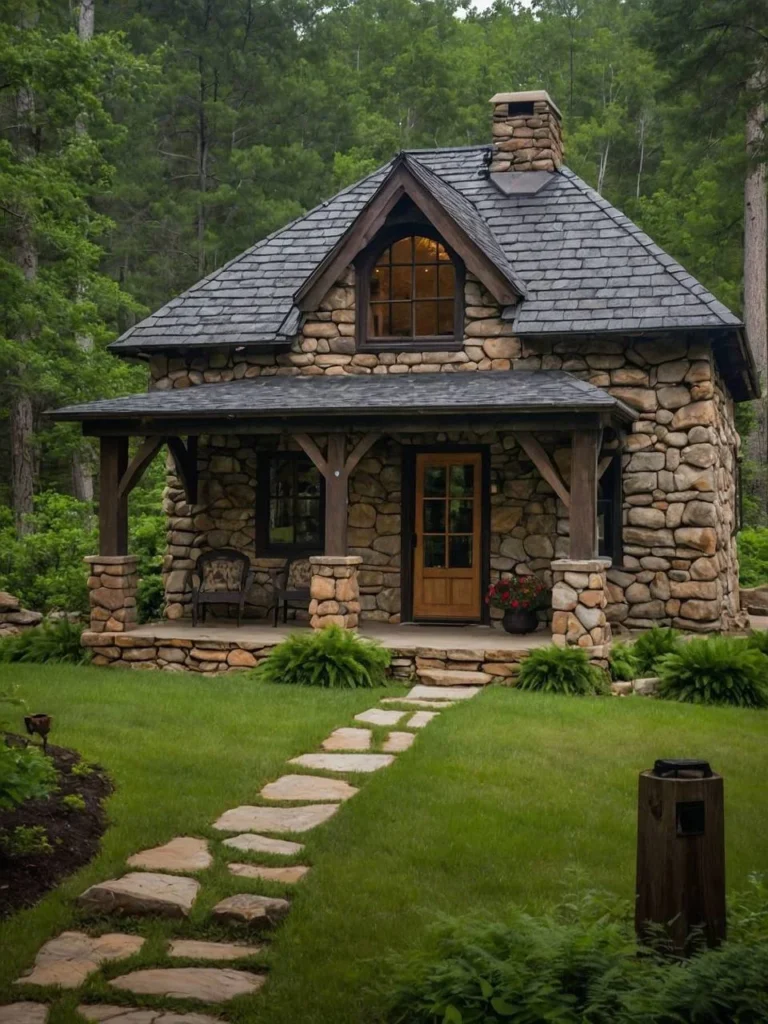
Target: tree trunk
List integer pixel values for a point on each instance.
(202, 171)
(86, 20)
(755, 319)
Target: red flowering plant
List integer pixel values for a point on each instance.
(524, 593)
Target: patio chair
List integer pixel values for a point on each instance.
(290, 585)
(221, 576)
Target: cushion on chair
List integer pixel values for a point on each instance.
(222, 574)
(299, 575)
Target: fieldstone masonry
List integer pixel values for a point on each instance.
(112, 586)
(526, 140)
(579, 601)
(334, 591)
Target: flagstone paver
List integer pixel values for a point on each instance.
(23, 1013)
(348, 739)
(130, 1015)
(413, 702)
(307, 787)
(197, 949)
(142, 893)
(257, 911)
(275, 819)
(378, 716)
(263, 844)
(68, 959)
(421, 718)
(181, 854)
(290, 873)
(398, 741)
(344, 762)
(443, 692)
(208, 984)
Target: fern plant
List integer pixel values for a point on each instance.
(331, 657)
(718, 670)
(623, 663)
(560, 670)
(758, 640)
(52, 642)
(651, 646)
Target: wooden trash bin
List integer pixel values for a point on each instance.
(681, 852)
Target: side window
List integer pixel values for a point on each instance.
(609, 502)
(290, 505)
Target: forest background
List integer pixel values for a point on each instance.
(145, 142)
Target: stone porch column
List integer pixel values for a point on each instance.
(112, 586)
(579, 600)
(334, 591)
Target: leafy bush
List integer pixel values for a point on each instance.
(753, 557)
(716, 670)
(73, 802)
(330, 657)
(651, 646)
(622, 662)
(150, 598)
(758, 639)
(580, 963)
(26, 841)
(25, 774)
(49, 642)
(560, 670)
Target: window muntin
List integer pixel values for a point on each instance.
(292, 504)
(412, 291)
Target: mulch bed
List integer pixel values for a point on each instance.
(73, 834)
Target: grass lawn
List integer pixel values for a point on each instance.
(493, 804)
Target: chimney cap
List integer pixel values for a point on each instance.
(531, 96)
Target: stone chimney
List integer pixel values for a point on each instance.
(526, 132)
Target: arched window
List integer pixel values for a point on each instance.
(412, 293)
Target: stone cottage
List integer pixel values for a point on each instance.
(468, 364)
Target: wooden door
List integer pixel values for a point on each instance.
(447, 518)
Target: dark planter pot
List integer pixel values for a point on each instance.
(519, 620)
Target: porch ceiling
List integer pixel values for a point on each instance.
(518, 392)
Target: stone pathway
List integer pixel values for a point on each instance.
(69, 959)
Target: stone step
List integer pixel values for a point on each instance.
(288, 875)
(348, 739)
(68, 959)
(259, 912)
(254, 843)
(307, 787)
(421, 719)
(413, 702)
(208, 984)
(379, 716)
(184, 853)
(199, 949)
(437, 694)
(397, 741)
(275, 819)
(344, 762)
(453, 677)
(141, 1015)
(23, 1013)
(142, 893)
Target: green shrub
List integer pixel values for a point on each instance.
(753, 557)
(82, 770)
(26, 841)
(580, 963)
(758, 639)
(25, 774)
(330, 657)
(622, 662)
(49, 642)
(73, 802)
(651, 646)
(716, 670)
(560, 670)
(150, 598)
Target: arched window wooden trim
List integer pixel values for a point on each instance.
(364, 267)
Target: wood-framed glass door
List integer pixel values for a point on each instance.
(447, 557)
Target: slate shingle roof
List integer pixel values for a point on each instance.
(412, 394)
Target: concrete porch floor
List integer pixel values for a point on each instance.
(404, 636)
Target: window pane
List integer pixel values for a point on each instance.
(434, 482)
(294, 505)
(402, 251)
(281, 478)
(426, 282)
(425, 250)
(447, 281)
(281, 521)
(401, 282)
(460, 549)
(307, 481)
(434, 552)
(445, 316)
(380, 283)
(426, 319)
(460, 517)
(307, 525)
(378, 324)
(462, 481)
(442, 255)
(434, 516)
(401, 319)
(384, 258)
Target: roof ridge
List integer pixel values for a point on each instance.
(652, 248)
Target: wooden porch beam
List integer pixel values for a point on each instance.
(138, 465)
(585, 446)
(359, 452)
(113, 507)
(604, 463)
(185, 461)
(546, 467)
(309, 448)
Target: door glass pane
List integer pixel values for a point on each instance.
(460, 552)
(426, 282)
(434, 481)
(434, 552)
(401, 251)
(445, 316)
(460, 517)
(401, 319)
(434, 516)
(462, 481)
(401, 282)
(426, 319)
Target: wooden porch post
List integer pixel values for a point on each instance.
(113, 506)
(336, 497)
(585, 445)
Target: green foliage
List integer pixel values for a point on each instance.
(150, 598)
(651, 646)
(330, 657)
(82, 769)
(73, 802)
(25, 841)
(49, 642)
(623, 663)
(580, 963)
(758, 639)
(9, 696)
(25, 774)
(716, 670)
(560, 670)
(753, 557)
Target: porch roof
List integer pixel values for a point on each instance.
(412, 394)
